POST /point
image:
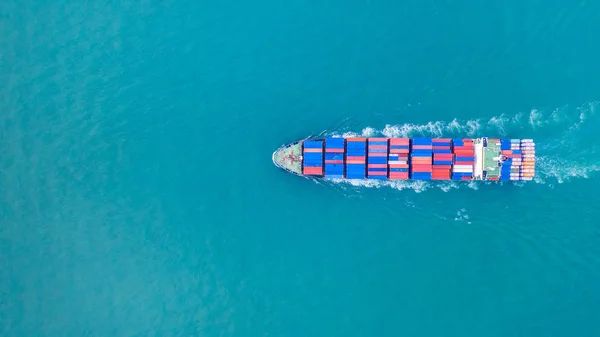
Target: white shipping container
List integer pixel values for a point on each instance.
(462, 170)
(463, 166)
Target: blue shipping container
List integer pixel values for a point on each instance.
(422, 141)
(377, 160)
(442, 162)
(313, 144)
(334, 142)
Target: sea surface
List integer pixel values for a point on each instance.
(138, 196)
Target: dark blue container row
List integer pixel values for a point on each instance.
(356, 145)
(334, 176)
(421, 153)
(459, 159)
(442, 151)
(399, 146)
(397, 169)
(421, 175)
(334, 156)
(378, 143)
(442, 162)
(462, 174)
(377, 160)
(313, 156)
(378, 177)
(313, 144)
(355, 152)
(517, 152)
(378, 151)
(334, 143)
(377, 169)
(422, 141)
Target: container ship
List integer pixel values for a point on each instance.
(409, 158)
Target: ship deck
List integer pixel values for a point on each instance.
(289, 158)
(491, 153)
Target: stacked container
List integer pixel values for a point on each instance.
(334, 158)
(398, 158)
(312, 157)
(528, 166)
(377, 165)
(464, 159)
(420, 158)
(356, 153)
(442, 158)
(510, 148)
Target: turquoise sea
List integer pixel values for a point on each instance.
(138, 196)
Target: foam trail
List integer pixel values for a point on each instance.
(564, 152)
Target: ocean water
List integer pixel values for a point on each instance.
(138, 197)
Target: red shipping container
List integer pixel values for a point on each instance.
(491, 178)
(356, 139)
(440, 178)
(377, 165)
(440, 147)
(312, 150)
(378, 139)
(442, 156)
(398, 165)
(355, 158)
(398, 176)
(355, 162)
(421, 168)
(464, 153)
(463, 148)
(422, 147)
(466, 178)
(399, 150)
(377, 173)
(421, 159)
(399, 141)
(334, 150)
(377, 154)
(313, 170)
(506, 152)
(442, 167)
(377, 147)
(334, 161)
